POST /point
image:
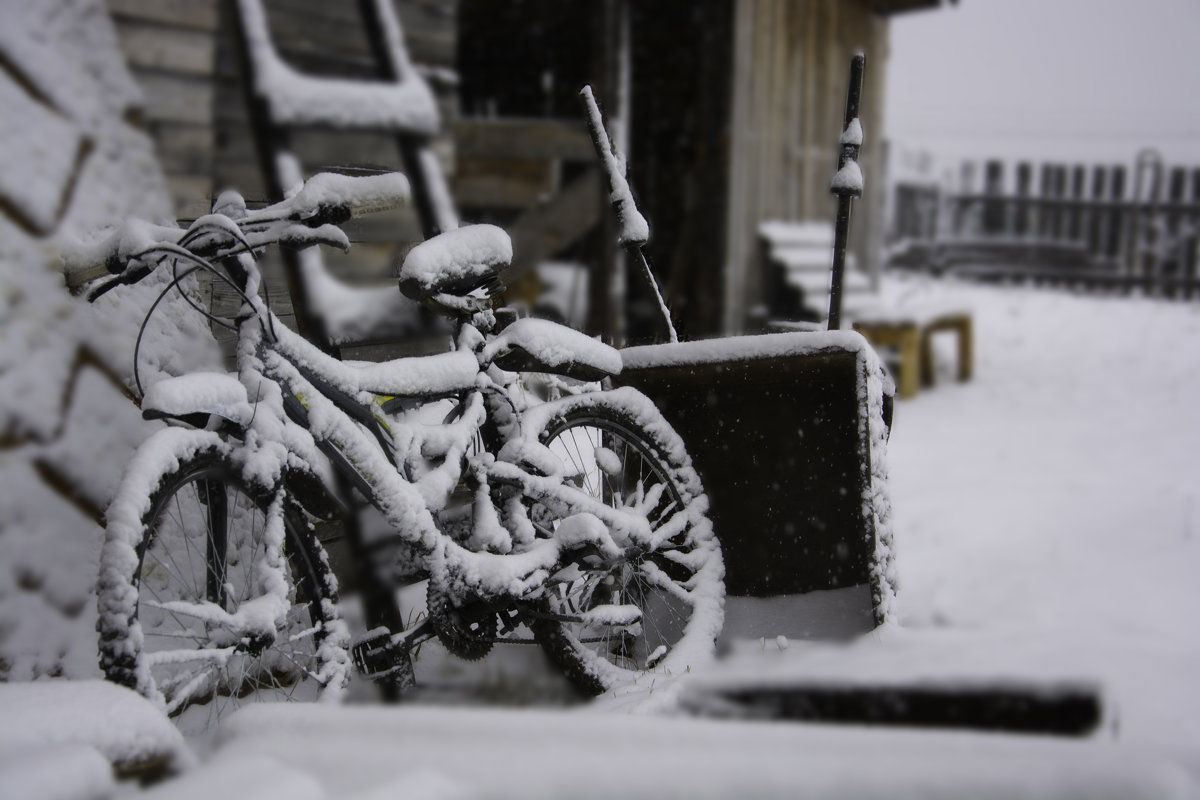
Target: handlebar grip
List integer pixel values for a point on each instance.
(329, 195)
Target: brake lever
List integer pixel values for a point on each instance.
(127, 276)
(298, 235)
(103, 289)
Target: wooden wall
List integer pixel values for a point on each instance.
(770, 107)
(170, 47)
(181, 54)
(790, 68)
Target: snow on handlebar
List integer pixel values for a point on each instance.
(309, 217)
(330, 197)
(84, 263)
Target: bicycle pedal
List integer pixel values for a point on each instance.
(374, 654)
(510, 620)
(400, 675)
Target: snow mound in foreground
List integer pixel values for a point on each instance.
(64, 716)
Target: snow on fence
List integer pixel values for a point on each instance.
(1099, 226)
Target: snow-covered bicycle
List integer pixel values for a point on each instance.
(574, 518)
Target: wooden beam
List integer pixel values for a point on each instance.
(523, 138)
(502, 183)
(201, 14)
(548, 228)
(157, 47)
(888, 7)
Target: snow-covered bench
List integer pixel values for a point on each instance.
(910, 330)
(797, 262)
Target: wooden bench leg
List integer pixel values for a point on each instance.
(927, 355)
(912, 365)
(906, 338)
(960, 326)
(966, 349)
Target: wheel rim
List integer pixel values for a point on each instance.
(611, 463)
(204, 548)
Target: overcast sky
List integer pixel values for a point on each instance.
(1063, 79)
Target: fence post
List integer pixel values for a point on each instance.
(1171, 250)
(1192, 241)
(963, 222)
(1021, 206)
(1098, 218)
(993, 187)
(1075, 227)
(1042, 216)
(1147, 186)
(1060, 195)
(1120, 229)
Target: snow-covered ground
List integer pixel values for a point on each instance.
(1047, 528)
(1048, 510)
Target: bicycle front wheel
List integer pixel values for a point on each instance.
(615, 447)
(226, 610)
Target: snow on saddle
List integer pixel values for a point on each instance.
(459, 271)
(449, 270)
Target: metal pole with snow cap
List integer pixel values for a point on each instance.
(632, 229)
(847, 184)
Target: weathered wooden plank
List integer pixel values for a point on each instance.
(547, 228)
(243, 176)
(369, 264)
(192, 195)
(158, 47)
(1024, 184)
(1077, 179)
(348, 148)
(502, 183)
(523, 138)
(308, 32)
(993, 186)
(417, 17)
(1099, 220)
(201, 14)
(394, 227)
(901, 6)
(171, 98)
(183, 149)
(498, 191)
(329, 63)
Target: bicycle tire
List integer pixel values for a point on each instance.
(157, 633)
(672, 637)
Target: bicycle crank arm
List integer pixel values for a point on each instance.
(380, 652)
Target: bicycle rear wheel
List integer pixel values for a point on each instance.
(229, 608)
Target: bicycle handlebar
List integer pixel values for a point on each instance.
(307, 218)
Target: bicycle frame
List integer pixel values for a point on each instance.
(307, 402)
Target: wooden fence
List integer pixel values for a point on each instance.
(1095, 225)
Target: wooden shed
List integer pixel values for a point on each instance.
(729, 111)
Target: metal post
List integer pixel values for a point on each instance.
(846, 190)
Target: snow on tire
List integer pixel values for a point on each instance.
(211, 591)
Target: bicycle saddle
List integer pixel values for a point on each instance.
(452, 265)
